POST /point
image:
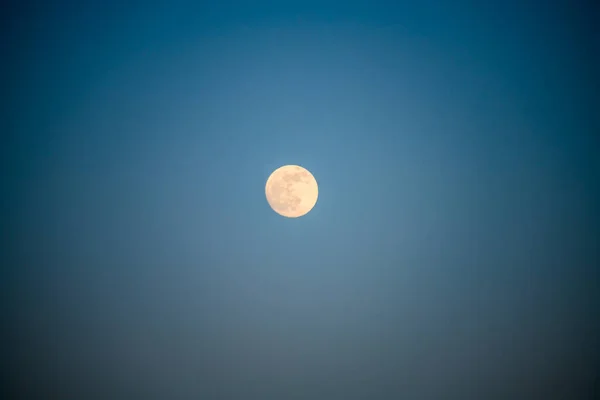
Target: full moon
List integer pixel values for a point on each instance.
(292, 191)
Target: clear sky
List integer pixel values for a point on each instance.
(453, 251)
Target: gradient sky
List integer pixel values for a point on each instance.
(453, 252)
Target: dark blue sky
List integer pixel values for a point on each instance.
(453, 252)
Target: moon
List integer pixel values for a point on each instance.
(291, 191)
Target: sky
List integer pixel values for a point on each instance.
(453, 251)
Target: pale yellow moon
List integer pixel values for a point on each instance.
(292, 191)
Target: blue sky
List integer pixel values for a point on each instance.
(453, 249)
